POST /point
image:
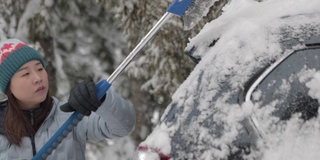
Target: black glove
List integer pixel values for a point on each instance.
(83, 98)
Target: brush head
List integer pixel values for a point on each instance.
(196, 11)
(191, 11)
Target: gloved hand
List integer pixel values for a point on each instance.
(83, 98)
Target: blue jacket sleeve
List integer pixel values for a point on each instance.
(114, 118)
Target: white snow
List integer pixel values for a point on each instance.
(314, 86)
(31, 8)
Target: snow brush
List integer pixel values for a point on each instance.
(179, 8)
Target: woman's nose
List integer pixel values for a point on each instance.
(36, 77)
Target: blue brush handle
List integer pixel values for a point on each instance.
(178, 7)
(101, 88)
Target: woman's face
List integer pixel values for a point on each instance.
(30, 84)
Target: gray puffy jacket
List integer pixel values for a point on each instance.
(115, 118)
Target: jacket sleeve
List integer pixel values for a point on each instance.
(114, 118)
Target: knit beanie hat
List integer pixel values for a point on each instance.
(14, 54)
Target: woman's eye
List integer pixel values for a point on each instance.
(40, 69)
(25, 74)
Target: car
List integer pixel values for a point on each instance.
(255, 91)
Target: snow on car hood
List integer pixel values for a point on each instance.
(206, 116)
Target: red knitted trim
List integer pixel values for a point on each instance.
(8, 48)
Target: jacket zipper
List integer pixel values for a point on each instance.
(34, 151)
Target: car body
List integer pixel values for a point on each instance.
(253, 93)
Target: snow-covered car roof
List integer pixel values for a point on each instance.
(205, 118)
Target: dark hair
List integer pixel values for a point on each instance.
(17, 125)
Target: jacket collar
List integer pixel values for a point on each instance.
(3, 105)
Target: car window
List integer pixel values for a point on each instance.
(284, 86)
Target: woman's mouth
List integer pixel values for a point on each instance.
(40, 89)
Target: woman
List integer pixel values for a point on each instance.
(29, 117)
